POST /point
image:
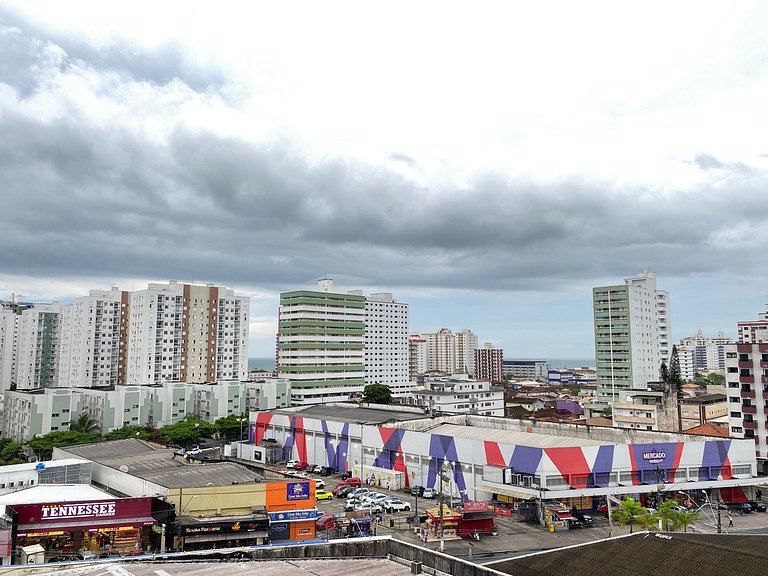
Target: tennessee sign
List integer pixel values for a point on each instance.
(654, 457)
(297, 491)
(90, 510)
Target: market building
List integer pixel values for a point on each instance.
(506, 461)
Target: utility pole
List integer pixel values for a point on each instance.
(442, 526)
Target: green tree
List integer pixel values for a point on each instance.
(673, 519)
(187, 432)
(675, 377)
(84, 423)
(607, 412)
(142, 432)
(42, 446)
(663, 372)
(377, 394)
(230, 427)
(11, 452)
(628, 512)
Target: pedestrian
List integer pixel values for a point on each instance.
(730, 520)
(759, 494)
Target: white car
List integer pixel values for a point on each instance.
(395, 505)
(319, 483)
(358, 493)
(368, 507)
(291, 464)
(375, 498)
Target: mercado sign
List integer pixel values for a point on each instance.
(470, 506)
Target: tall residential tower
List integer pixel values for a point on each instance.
(632, 335)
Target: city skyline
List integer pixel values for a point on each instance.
(489, 171)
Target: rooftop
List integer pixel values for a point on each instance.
(355, 413)
(162, 465)
(512, 437)
(55, 493)
(651, 554)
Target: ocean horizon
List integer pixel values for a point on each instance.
(268, 364)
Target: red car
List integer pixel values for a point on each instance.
(353, 481)
(326, 521)
(300, 466)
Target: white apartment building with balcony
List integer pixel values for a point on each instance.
(632, 335)
(386, 343)
(451, 352)
(94, 338)
(38, 336)
(8, 319)
(321, 344)
(187, 333)
(417, 355)
(459, 394)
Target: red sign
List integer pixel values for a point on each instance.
(100, 511)
(470, 506)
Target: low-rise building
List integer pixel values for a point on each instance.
(702, 409)
(526, 369)
(651, 409)
(459, 394)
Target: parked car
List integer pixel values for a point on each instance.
(757, 506)
(301, 466)
(342, 491)
(358, 493)
(316, 469)
(585, 520)
(429, 493)
(417, 490)
(323, 495)
(319, 483)
(291, 464)
(375, 497)
(396, 505)
(369, 507)
(742, 507)
(326, 521)
(350, 481)
(326, 471)
(349, 504)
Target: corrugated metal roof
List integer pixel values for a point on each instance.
(649, 554)
(353, 413)
(54, 493)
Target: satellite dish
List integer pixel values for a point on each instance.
(123, 468)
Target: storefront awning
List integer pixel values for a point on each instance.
(89, 525)
(511, 492)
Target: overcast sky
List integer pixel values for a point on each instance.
(488, 163)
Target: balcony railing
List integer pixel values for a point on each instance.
(747, 393)
(747, 379)
(750, 425)
(749, 409)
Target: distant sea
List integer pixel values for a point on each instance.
(268, 364)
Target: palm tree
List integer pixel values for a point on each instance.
(84, 423)
(629, 512)
(673, 519)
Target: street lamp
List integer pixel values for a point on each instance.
(241, 420)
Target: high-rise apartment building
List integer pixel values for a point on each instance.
(707, 353)
(94, 340)
(746, 375)
(632, 332)
(321, 344)
(466, 344)
(451, 353)
(386, 343)
(417, 355)
(489, 363)
(187, 333)
(37, 346)
(8, 320)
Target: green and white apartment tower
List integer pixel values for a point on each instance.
(321, 344)
(632, 335)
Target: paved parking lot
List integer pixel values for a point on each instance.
(516, 537)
